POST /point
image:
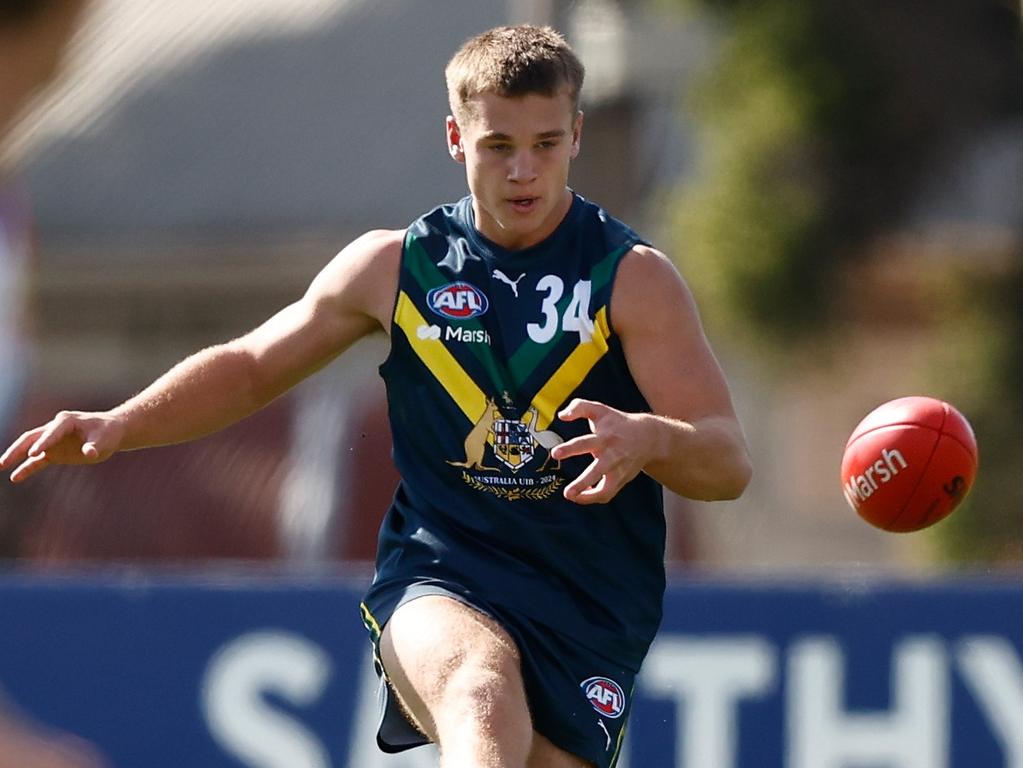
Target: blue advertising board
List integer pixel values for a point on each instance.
(252, 671)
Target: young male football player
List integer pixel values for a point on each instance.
(547, 375)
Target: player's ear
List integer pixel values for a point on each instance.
(577, 133)
(454, 136)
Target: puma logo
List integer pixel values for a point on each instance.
(606, 733)
(514, 284)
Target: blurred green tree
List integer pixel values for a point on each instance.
(817, 125)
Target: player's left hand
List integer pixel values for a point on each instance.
(618, 442)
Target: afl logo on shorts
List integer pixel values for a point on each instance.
(606, 696)
(458, 301)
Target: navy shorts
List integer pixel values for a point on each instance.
(578, 699)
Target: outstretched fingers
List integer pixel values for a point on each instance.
(583, 409)
(29, 467)
(575, 446)
(591, 487)
(19, 449)
(616, 441)
(68, 438)
(23, 455)
(594, 485)
(59, 427)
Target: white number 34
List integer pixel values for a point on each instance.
(577, 313)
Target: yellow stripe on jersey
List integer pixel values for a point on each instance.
(572, 372)
(370, 621)
(442, 364)
(374, 630)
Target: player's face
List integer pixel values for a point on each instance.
(517, 152)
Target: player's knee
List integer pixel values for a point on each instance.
(489, 695)
(478, 687)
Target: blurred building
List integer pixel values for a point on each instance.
(200, 162)
(194, 168)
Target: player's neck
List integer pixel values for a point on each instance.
(520, 240)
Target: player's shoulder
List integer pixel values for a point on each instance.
(648, 285)
(372, 251)
(377, 243)
(370, 259)
(644, 263)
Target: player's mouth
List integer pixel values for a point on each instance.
(524, 204)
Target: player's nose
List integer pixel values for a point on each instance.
(521, 167)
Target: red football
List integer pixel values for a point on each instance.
(909, 463)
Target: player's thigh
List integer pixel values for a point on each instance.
(437, 651)
(545, 755)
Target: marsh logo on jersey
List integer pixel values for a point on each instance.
(427, 332)
(457, 334)
(458, 301)
(606, 696)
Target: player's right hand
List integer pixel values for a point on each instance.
(70, 437)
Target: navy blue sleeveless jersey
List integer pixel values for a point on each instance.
(487, 345)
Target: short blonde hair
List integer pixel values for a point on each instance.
(513, 61)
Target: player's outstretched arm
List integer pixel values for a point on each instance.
(692, 441)
(350, 298)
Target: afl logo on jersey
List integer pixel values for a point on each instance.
(458, 301)
(606, 696)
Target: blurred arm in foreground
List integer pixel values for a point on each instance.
(33, 35)
(27, 745)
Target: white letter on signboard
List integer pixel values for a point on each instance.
(242, 722)
(706, 678)
(914, 734)
(991, 670)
